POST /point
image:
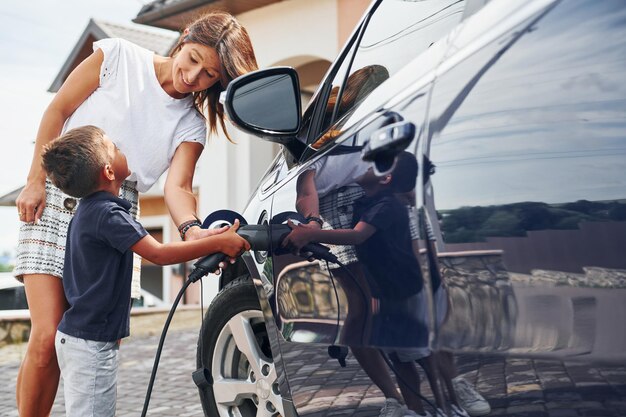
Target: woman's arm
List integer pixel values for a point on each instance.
(228, 243)
(307, 201)
(82, 81)
(179, 198)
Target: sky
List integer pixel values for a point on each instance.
(36, 37)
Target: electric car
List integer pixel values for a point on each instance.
(513, 117)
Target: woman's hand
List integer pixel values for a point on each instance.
(197, 232)
(31, 202)
(312, 225)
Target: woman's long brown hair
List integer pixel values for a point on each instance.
(221, 31)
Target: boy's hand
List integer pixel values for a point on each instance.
(298, 237)
(234, 245)
(197, 232)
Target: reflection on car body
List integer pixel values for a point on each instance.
(515, 227)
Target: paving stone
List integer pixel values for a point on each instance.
(502, 402)
(597, 413)
(514, 387)
(498, 412)
(526, 407)
(557, 384)
(570, 396)
(563, 412)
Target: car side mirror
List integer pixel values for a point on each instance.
(265, 103)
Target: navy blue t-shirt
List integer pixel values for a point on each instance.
(388, 255)
(98, 268)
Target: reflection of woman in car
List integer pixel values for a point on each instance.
(326, 193)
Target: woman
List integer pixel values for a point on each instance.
(158, 109)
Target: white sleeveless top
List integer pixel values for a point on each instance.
(132, 108)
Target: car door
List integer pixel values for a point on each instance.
(318, 305)
(527, 199)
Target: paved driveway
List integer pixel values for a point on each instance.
(514, 387)
(174, 392)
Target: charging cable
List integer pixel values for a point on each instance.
(160, 348)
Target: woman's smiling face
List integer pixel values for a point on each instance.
(196, 67)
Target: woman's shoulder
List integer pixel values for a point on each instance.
(119, 46)
(124, 43)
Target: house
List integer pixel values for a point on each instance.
(303, 34)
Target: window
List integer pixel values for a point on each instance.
(398, 32)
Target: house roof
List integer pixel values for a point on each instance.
(157, 40)
(8, 199)
(174, 14)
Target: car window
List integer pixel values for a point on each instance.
(329, 111)
(309, 121)
(398, 31)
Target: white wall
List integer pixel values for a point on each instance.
(293, 28)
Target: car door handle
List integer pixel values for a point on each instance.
(270, 181)
(387, 142)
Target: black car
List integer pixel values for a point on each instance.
(465, 161)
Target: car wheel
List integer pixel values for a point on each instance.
(234, 347)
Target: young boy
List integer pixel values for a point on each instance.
(101, 239)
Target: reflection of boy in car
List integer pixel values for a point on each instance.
(380, 223)
(326, 194)
(381, 236)
(438, 365)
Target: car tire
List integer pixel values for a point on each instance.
(234, 349)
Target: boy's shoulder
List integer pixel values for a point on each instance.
(383, 199)
(108, 218)
(381, 209)
(104, 199)
(99, 205)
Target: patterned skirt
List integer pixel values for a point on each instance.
(336, 208)
(41, 246)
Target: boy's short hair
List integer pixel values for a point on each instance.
(404, 174)
(74, 160)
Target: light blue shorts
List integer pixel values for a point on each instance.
(89, 372)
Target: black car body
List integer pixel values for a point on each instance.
(515, 112)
